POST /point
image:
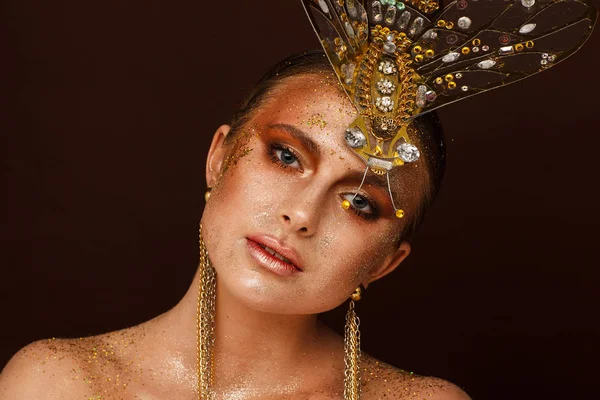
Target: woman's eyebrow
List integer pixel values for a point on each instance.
(299, 135)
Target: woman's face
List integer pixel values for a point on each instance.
(280, 183)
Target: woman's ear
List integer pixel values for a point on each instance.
(391, 263)
(216, 155)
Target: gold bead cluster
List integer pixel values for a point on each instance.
(445, 24)
(420, 54)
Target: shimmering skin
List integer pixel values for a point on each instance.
(269, 344)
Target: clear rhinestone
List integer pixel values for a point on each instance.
(355, 138)
(390, 15)
(528, 3)
(544, 62)
(348, 72)
(485, 47)
(430, 95)
(430, 35)
(416, 27)
(486, 64)
(376, 9)
(458, 75)
(389, 47)
(527, 28)
(450, 57)
(421, 97)
(544, 55)
(408, 152)
(384, 104)
(475, 49)
(464, 88)
(387, 67)
(349, 29)
(552, 58)
(403, 20)
(506, 50)
(323, 6)
(385, 86)
(352, 10)
(464, 22)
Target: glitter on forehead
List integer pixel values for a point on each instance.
(317, 120)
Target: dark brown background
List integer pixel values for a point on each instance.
(107, 111)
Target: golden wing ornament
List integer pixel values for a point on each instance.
(399, 59)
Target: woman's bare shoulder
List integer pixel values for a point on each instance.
(46, 369)
(65, 368)
(384, 380)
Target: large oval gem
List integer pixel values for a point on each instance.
(408, 152)
(355, 138)
(450, 57)
(527, 28)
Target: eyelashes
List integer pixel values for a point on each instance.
(359, 203)
(285, 157)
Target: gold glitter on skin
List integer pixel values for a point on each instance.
(269, 345)
(316, 120)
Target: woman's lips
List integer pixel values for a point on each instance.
(269, 261)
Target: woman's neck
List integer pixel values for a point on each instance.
(250, 345)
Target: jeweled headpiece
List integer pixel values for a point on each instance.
(399, 59)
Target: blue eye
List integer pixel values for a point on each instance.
(359, 203)
(284, 156)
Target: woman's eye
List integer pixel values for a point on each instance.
(359, 203)
(287, 157)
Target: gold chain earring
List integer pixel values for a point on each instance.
(352, 350)
(205, 322)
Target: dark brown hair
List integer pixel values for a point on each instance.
(431, 141)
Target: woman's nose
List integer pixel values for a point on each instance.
(300, 218)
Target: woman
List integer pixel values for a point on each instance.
(283, 250)
(277, 178)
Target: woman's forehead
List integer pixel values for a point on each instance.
(307, 96)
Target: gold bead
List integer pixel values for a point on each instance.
(529, 44)
(439, 80)
(207, 194)
(356, 296)
(476, 42)
(519, 47)
(419, 58)
(441, 23)
(345, 204)
(451, 85)
(417, 49)
(429, 53)
(399, 213)
(465, 50)
(449, 25)
(449, 78)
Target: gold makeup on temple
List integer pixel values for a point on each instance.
(397, 60)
